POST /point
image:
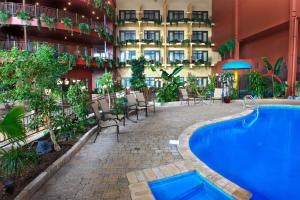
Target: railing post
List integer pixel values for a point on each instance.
(35, 10)
(76, 18)
(57, 13)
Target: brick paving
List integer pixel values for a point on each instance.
(98, 170)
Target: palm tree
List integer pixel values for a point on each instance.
(11, 126)
(230, 45)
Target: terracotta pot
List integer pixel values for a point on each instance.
(226, 99)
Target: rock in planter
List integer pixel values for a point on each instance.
(43, 147)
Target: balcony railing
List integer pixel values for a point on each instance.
(38, 11)
(60, 48)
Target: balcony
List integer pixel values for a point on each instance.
(88, 56)
(42, 16)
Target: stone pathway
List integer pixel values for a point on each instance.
(98, 170)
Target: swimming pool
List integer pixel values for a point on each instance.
(260, 154)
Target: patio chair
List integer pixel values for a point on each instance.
(103, 124)
(217, 94)
(107, 113)
(184, 96)
(132, 106)
(142, 102)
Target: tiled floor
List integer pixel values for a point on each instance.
(99, 169)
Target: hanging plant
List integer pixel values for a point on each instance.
(99, 62)
(109, 37)
(100, 31)
(67, 22)
(87, 59)
(186, 63)
(98, 3)
(186, 42)
(158, 21)
(24, 15)
(84, 28)
(4, 15)
(111, 63)
(109, 11)
(50, 22)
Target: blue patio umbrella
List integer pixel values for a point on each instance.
(236, 65)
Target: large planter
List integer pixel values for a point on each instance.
(227, 99)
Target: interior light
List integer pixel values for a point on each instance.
(65, 9)
(93, 12)
(69, 3)
(37, 3)
(82, 16)
(97, 17)
(66, 37)
(67, 82)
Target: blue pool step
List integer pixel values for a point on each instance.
(187, 186)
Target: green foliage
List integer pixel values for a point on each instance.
(77, 96)
(227, 47)
(109, 37)
(211, 84)
(186, 63)
(88, 59)
(50, 22)
(13, 162)
(23, 15)
(119, 106)
(27, 76)
(273, 72)
(100, 31)
(99, 62)
(84, 28)
(192, 83)
(257, 83)
(4, 16)
(98, 3)
(170, 89)
(67, 22)
(109, 11)
(106, 83)
(138, 77)
(12, 126)
(68, 58)
(279, 89)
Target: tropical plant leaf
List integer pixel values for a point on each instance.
(176, 70)
(278, 65)
(12, 126)
(268, 65)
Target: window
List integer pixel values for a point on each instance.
(175, 15)
(125, 82)
(202, 81)
(152, 55)
(127, 14)
(150, 81)
(151, 15)
(175, 36)
(200, 15)
(152, 35)
(200, 55)
(127, 35)
(200, 36)
(127, 55)
(175, 56)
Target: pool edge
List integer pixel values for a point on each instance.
(215, 178)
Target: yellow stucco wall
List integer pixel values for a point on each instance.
(139, 27)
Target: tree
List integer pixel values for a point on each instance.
(106, 85)
(31, 77)
(138, 77)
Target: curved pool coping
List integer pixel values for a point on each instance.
(217, 179)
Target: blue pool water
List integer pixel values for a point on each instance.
(260, 154)
(186, 186)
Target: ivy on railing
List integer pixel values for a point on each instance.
(4, 16)
(67, 22)
(50, 22)
(84, 28)
(24, 15)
